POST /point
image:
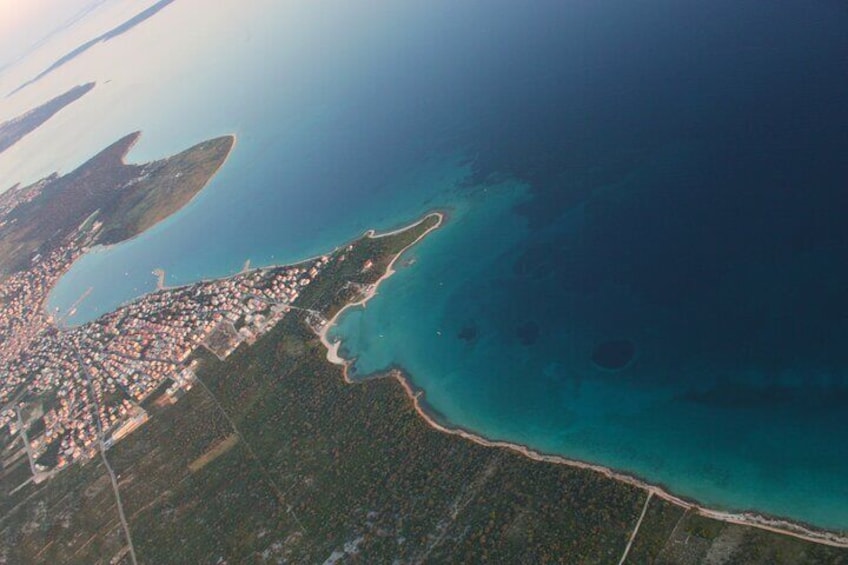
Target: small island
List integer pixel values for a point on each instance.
(17, 128)
(117, 31)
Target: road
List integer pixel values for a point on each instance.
(636, 529)
(102, 444)
(26, 442)
(275, 488)
(270, 302)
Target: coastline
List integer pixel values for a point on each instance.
(101, 247)
(417, 397)
(159, 273)
(247, 268)
(333, 355)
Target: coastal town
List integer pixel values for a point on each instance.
(67, 392)
(66, 388)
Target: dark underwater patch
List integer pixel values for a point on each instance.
(528, 333)
(468, 333)
(614, 355)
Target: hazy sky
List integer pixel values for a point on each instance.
(23, 23)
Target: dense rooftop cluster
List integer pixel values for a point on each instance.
(66, 386)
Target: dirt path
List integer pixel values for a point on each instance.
(636, 529)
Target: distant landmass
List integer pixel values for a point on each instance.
(16, 129)
(111, 34)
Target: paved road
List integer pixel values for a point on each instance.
(26, 441)
(102, 443)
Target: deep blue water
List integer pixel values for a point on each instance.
(668, 176)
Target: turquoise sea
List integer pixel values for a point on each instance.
(645, 264)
